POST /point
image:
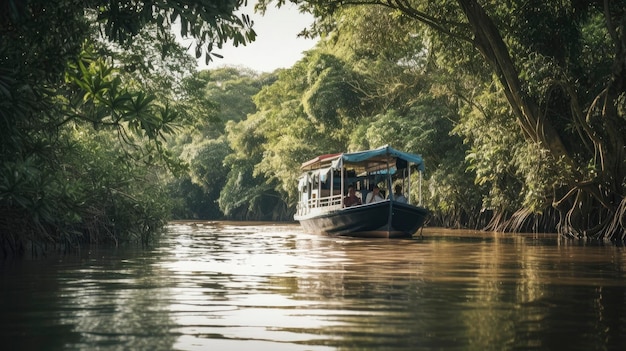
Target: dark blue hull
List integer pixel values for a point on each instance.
(381, 219)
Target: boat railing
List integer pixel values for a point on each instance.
(325, 202)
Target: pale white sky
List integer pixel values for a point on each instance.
(277, 44)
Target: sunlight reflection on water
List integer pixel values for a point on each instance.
(451, 289)
(268, 286)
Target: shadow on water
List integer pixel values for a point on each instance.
(268, 286)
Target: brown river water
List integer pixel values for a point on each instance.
(268, 286)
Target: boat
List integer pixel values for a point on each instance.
(323, 204)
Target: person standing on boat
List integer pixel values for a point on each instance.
(351, 199)
(397, 194)
(374, 195)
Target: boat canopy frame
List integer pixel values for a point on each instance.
(384, 161)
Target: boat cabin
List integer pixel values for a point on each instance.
(324, 181)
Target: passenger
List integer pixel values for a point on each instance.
(398, 196)
(374, 196)
(351, 199)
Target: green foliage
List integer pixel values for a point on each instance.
(216, 98)
(280, 135)
(123, 197)
(515, 106)
(207, 170)
(210, 23)
(98, 94)
(326, 104)
(330, 100)
(247, 195)
(84, 118)
(96, 195)
(232, 90)
(242, 196)
(414, 80)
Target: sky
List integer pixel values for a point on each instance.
(277, 44)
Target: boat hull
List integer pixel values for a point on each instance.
(369, 220)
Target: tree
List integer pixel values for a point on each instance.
(212, 99)
(348, 94)
(86, 80)
(568, 107)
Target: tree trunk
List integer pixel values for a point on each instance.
(586, 200)
(489, 42)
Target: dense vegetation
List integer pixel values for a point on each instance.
(536, 91)
(88, 92)
(107, 132)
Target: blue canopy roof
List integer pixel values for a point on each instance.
(382, 154)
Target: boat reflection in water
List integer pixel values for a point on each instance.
(323, 208)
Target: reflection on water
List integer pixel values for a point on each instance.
(247, 286)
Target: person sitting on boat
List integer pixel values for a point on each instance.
(351, 199)
(374, 195)
(397, 194)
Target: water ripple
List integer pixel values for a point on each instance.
(268, 286)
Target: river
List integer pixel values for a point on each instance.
(269, 286)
